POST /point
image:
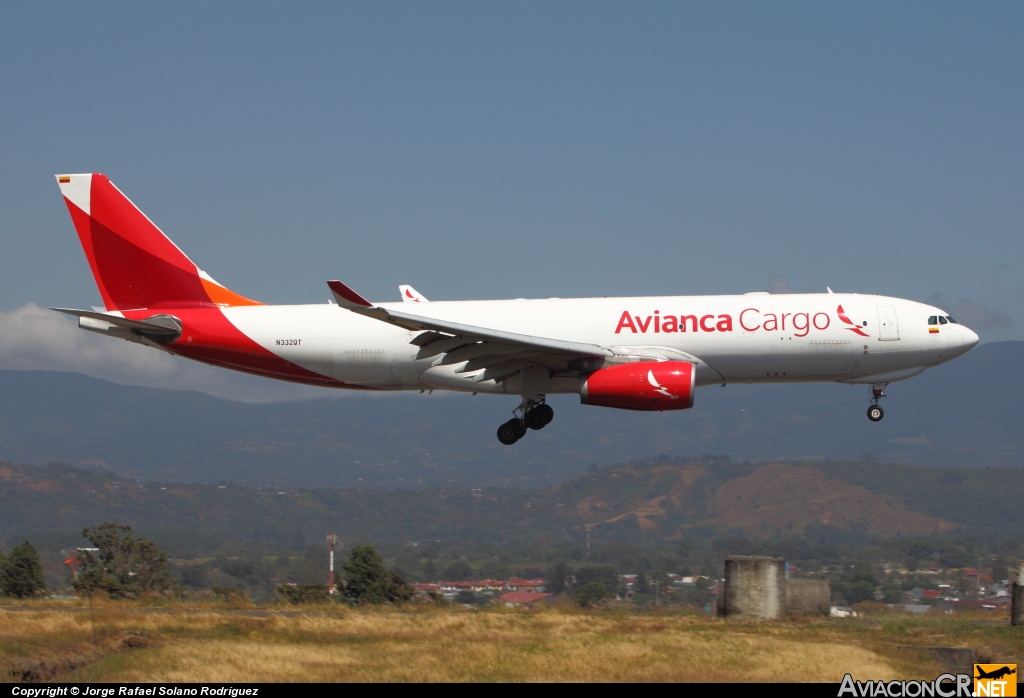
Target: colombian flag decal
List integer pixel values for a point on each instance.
(933, 330)
(64, 180)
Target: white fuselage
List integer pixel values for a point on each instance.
(747, 338)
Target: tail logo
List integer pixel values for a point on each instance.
(853, 327)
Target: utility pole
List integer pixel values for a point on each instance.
(331, 540)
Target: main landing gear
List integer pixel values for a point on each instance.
(531, 414)
(875, 413)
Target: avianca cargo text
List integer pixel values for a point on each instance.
(749, 320)
(641, 353)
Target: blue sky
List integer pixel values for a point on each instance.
(492, 150)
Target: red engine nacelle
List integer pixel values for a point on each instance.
(647, 385)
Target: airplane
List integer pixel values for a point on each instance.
(995, 673)
(635, 353)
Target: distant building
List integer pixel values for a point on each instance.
(954, 606)
(517, 584)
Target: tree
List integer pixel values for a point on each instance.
(558, 576)
(368, 581)
(3, 574)
(495, 569)
(303, 593)
(22, 575)
(858, 583)
(194, 576)
(1000, 568)
(643, 583)
(125, 566)
(458, 571)
(855, 592)
(691, 597)
(590, 594)
(605, 574)
(399, 591)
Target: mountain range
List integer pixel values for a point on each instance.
(656, 501)
(965, 414)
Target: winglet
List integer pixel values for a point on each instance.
(411, 295)
(346, 297)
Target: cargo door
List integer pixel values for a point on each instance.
(888, 328)
(830, 356)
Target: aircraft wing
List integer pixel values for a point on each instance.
(499, 353)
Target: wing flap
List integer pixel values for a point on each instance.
(501, 371)
(478, 351)
(425, 338)
(442, 346)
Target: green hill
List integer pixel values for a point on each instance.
(656, 502)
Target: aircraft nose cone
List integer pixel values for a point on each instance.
(970, 338)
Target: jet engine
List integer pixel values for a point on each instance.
(646, 385)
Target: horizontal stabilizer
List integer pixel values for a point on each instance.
(160, 328)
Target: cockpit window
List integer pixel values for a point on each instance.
(943, 321)
(951, 320)
(933, 320)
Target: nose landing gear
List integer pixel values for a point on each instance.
(875, 413)
(531, 414)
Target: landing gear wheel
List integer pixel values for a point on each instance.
(532, 413)
(875, 413)
(540, 416)
(511, 431)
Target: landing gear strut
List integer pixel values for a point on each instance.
(875, 413)
(531, 414)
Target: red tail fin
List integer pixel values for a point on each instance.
(135, 265)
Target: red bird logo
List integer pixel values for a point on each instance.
(853, 327)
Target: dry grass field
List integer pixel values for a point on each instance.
(127, 643)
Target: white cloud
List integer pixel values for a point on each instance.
(34, 338)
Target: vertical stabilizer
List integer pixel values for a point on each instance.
(135, 265)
